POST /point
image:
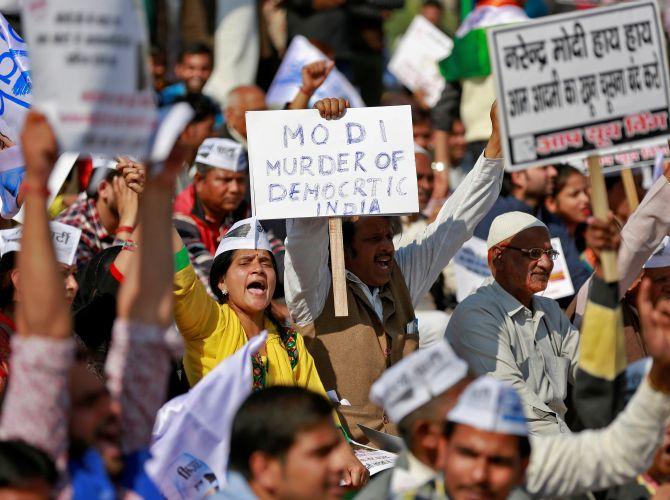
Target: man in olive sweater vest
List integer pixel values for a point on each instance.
(383, 285)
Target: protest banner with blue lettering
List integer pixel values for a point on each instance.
(15, 82)
(579, 84)
(288, 79)
(304, 166)
(90, 76)
(11, 175)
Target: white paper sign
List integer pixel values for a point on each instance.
(90, 74)
(376, 460)
(471, 267)
(414, 62)
(304, 166)
(586, 81)
(65, 239)
(288, 79)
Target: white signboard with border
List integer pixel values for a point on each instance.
(572, 84)
(304, 166)
(415, 60)
(90, 74)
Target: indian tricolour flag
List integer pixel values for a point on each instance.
(470, 56)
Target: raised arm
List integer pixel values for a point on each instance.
(307, 278)
(36, 406)
(423, 260)
(616, 454)
(139, 359)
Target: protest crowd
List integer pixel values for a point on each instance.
(310, 249)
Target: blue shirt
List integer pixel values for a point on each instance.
(173, 92)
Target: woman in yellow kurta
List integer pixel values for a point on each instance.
(243, 276)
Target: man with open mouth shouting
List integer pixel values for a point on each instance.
(383, 285)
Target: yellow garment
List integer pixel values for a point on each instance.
(212, 332)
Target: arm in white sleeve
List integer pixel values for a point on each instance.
(640, 236)
(571, 464)
(307, 279)
(422, 260)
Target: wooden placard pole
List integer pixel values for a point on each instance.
(608, 258)
(630, 189)
(337, 266)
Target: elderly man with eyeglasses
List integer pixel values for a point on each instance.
(506, 329)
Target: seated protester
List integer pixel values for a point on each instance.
(416, 393)
(485, 448)
(568, 208)
(383, 285)
(213, 202)
(97, 434)
(284, 446)
(526, 192)
(106, 217)
(610, 456)
(25, 471)
(65, 239)
(430, 311)
(507, 330)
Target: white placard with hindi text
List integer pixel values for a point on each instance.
(471, 269)
(288, 79)
(415, 60)
(304, 166)
(90, 73)
(376, 460)
(586, 82)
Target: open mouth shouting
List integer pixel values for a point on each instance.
(257, 286)
(384, 262)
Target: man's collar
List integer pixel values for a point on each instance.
(507, 300)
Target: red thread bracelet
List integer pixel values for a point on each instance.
(40, 190)
(124, 229)
(305, 92)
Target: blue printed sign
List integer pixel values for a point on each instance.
(304, 166)
(15, 82)
(288, 79)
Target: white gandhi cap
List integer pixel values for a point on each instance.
(246, 234)
(416, 379)
(509, 224)
(661, 256)
(490, 405)
(65, 239)
(222, 153)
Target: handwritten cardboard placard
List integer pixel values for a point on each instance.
(586, 81)
(304, 166)
(415, 60)
(288, 79)
(90, 74)
(471, 269)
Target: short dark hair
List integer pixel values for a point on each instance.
(195, 48)
(203, 106)
(349, 231)
(22, 464)
(7, 265)
(420, 115)
(270, 420)
(524, 443)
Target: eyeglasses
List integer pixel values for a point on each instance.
(536, 253)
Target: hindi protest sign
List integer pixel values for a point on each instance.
(304, 166)
(415, 60)
(90, 74)
(15, 83)
(375, 460)
(288, 79)
(586, 81)
(471, 268)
